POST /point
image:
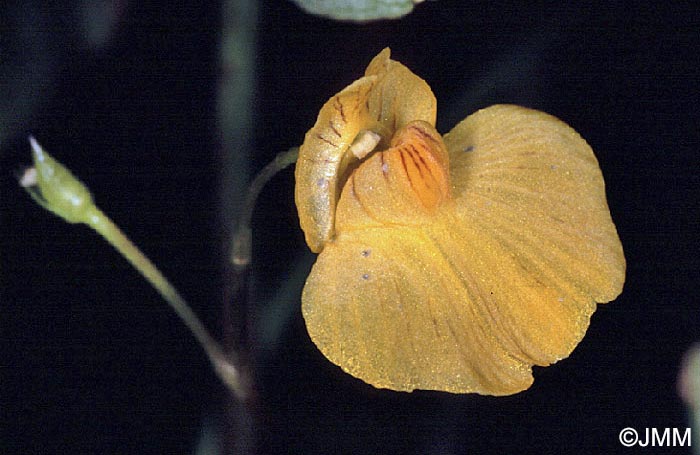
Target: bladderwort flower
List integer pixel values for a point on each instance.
(452, 262)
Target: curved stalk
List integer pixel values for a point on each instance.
(241, 251)
(53, 187)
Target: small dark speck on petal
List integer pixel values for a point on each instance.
(365, 253)
(365, 276)
(469, 149)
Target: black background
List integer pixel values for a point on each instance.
(93, 362)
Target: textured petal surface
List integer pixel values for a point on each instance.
(502, 276)
(386, 99)
(402, 185)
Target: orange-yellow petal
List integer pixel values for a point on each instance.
(533, 181)
(532, 186)
(503, 275)
(402, 185)
(385, 100)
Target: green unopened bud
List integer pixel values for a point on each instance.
(55, 188)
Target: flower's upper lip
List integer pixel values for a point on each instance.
(387, 98)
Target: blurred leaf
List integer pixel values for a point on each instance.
(358, 10)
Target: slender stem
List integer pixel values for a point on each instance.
(242, 241)
(228, 373)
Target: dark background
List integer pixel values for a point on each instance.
(93, 361)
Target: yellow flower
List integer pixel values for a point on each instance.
(450, 263)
